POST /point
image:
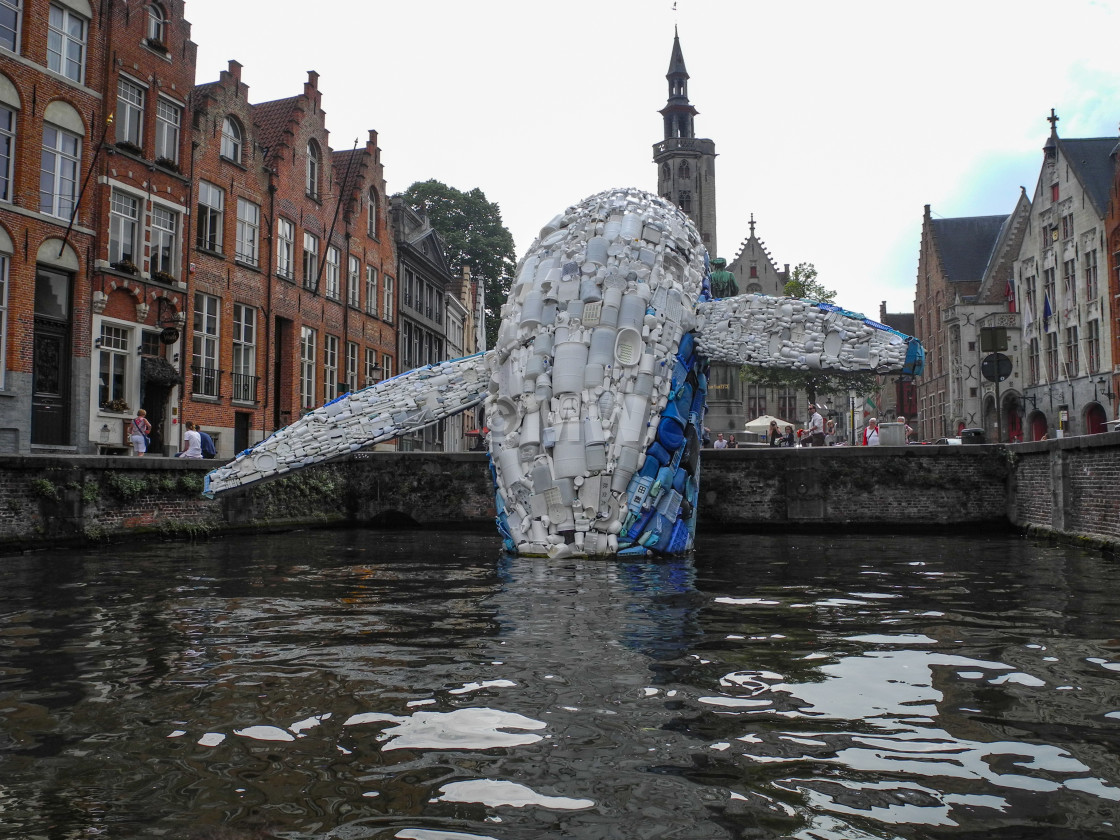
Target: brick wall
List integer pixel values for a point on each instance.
(1065, 488)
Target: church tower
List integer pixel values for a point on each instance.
(686, 164)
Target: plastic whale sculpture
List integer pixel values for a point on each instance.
(594, 393)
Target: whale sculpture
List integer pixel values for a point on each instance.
(594, 393)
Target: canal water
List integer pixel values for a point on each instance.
(418, 685)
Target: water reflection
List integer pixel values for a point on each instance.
(416, 685)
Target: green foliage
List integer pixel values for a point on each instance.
(815, 383)
(45, 489)
(190, 483)
(126, 486)
(475, 236)
(91, 492)
(803, 283)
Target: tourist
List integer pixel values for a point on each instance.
(720, 442)
(774, 435)
(208, 448)
(816, 427)
(192, 442)
(871, 433)
(908, 433)
(732, 443)
(138, 435)
(830, 432)
(788, 440)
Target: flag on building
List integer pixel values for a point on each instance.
(1047, 312)
(1028, 316)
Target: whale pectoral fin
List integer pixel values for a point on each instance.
(802, 335)
(354, 421)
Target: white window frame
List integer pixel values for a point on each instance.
(157, 24)
(353, 277)
(66, 43)
(310, 260)
(7, 149)
(113, 362)
(313, 166)
(285, 248)
(4, 264)
(330, 367)
(371, 290)
(205, 346)
(330, 270)
(163, 253)
(248, 232)
(307, 342)
(124, 228)
(169, 119)
(386, 366)
(211, 215)
(129, 119)
(351, 366)
(231, 139)
(244, 352)
(63, 176)
(387, 294)
(15, 9)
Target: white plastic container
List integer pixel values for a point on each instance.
(568, 367)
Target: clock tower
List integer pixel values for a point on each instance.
(686, 164)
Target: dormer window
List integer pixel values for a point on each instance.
(231, 139)
(157, 27)
(313, 161)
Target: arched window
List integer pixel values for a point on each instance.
(374, 212)
(683, 169)
(231, 139)
(157, 27)
(313, 165)
(666, 171)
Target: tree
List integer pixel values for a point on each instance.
(475, 236)
(803, 283)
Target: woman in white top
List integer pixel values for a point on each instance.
(192, 442)
(871, 433)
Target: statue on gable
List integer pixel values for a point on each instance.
(722, 280)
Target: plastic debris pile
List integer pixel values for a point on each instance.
(595, 401)
(356, 420)
(802, 335)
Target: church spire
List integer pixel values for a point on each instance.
(678, 111)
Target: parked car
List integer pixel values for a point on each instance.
(953, 441)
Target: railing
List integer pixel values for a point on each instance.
(244, 387)
(205, 381)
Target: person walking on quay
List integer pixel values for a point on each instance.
(720, 442)
(192, 442)
(871, 433)
(139, 431)
(816, 427)
(774, 435)
(908, 433)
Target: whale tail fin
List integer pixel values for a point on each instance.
(802, 335)
(354, 421)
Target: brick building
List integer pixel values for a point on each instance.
(53, 65)
(292, 263)
(173, 247)
(1111, 392)
(1062, 287)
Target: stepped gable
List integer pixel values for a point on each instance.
(1092, 164)
(276, 119)
(965, 245)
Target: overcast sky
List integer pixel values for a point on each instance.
(834, 122)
